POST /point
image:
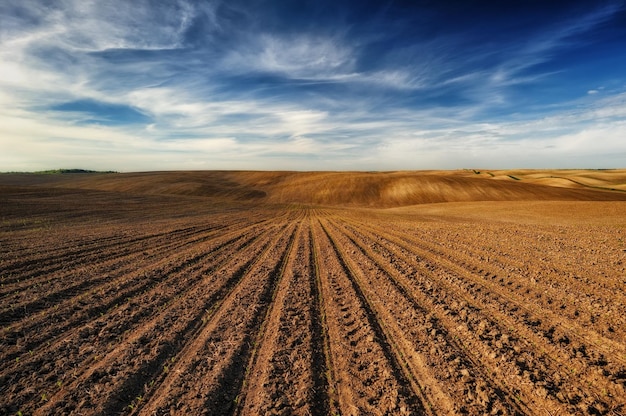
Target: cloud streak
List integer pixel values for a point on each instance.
(150, 85)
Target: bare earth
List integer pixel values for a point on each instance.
(280, 293)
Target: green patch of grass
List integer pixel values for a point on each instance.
(62, 171)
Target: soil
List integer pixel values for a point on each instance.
(119, 302)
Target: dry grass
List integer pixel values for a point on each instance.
(568, 178)
(364, 189)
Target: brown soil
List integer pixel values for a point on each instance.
(354, 189)
(127, 299)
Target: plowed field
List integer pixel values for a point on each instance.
(115, 303)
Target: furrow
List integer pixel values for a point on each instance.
(106, 257)
(122, 244)
(582, 346)
(264, 343)
(572, 291)
(500, 336)
(69, 256)
(545, 323)
(110, 272)
(433, 356)
(208, 375)
(366, 373)
(287, 367)
(324, 364)
(146, 288)
(72, 282)
(128, 276)
(181, 309)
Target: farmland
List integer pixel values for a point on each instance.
(265, 293)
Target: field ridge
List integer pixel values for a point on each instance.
(115, 302)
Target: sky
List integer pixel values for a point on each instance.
(312, 85)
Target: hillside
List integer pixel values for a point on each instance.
(365, 189)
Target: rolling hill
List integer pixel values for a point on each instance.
(363, 189)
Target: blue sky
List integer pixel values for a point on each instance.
(312, 85)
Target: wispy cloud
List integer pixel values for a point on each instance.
(151, 85)
(94, 25)
(298, 57)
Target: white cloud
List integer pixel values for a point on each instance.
(302, 56)
(49, 62)
(93, 25)
(194, 123)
